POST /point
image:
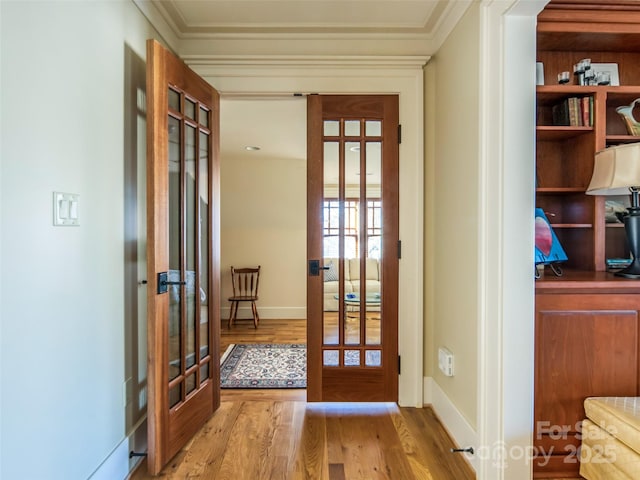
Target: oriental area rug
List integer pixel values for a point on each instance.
(264, 366)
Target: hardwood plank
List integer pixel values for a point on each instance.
(246, 457)
(267, 394)
(275, 434)
(202, 457)
(369, 442)
(415, 456)
(295, 441)
(433, 445)
(269, 331)
(312, 454)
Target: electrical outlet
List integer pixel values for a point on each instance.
(445, 361)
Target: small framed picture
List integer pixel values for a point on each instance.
(606, 71)
(539, 73)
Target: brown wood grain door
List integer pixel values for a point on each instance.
(183, 253)
(352, 248)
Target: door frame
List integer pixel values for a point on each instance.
(398, 75)
(507, 159)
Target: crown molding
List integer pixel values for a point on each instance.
(448, 21)
(165, 28)
(351, 61)
(173, 18)
(389, 41)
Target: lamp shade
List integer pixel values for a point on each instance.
(615, 170)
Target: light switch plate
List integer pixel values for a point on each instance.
(65, 209)
(445, 361)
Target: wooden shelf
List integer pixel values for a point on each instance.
(585, 281)
(558, 226)
(559, 190)
(552, 132)
(618, 139)
(550, 94)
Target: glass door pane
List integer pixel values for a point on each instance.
(352, 241)
(203, 245)
(331, 249)
(173, 275)
(190, 244)
(188, 275)
(373, 228)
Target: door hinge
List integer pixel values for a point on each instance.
(399, 249)
(399, 364)
(399, 134)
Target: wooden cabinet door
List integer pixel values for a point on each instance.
(586, 346)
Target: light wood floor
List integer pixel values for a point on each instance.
(275, 434)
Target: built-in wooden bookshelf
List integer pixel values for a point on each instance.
(587, 321)
(564, 165)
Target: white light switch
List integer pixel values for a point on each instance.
(65, 209)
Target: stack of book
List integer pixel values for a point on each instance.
(574, 112)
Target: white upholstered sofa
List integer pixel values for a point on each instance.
(351, 279)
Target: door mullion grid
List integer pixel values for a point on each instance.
(341, 228)
(362, 227)
(182, 248)
(209, 246)
(197, 237)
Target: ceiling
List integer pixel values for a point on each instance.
(206, 17)
(277, 125)
(254, 29)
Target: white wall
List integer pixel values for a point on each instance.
(263, 199)
(67, 340)
(452, 149)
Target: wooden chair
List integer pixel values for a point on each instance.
(245, 289)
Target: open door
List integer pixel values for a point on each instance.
(352, 248)
(182, 253)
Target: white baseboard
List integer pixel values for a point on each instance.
(284, 313)
(118, 465)
(456, 425)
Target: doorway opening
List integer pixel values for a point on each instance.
(263, 169)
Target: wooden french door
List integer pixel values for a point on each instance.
(352, 248)
(182, 254)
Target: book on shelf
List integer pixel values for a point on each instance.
(575, 117)
(573, 112)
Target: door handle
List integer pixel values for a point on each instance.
(314, 268)
(163, 282)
